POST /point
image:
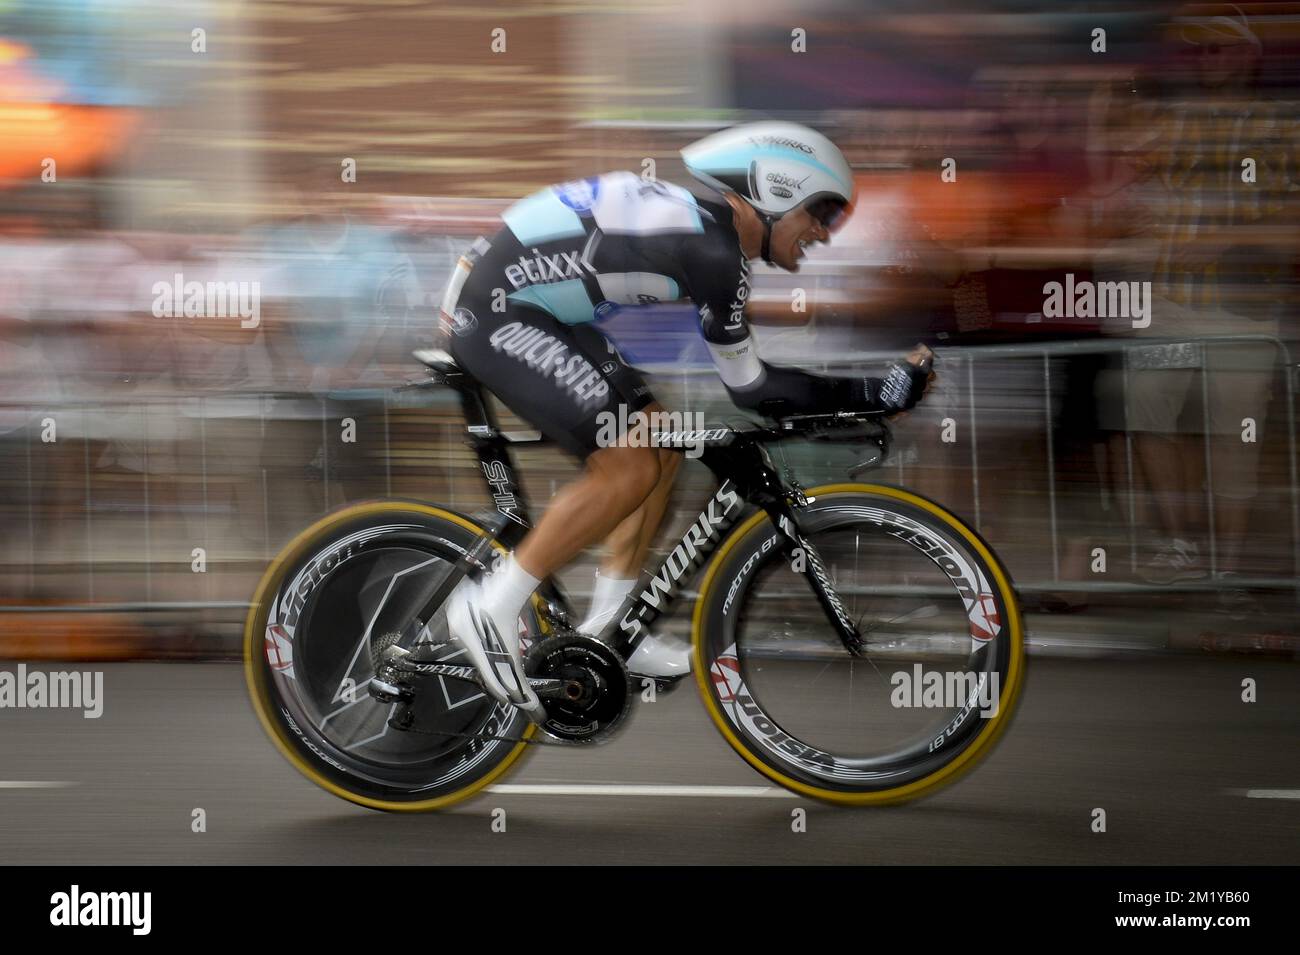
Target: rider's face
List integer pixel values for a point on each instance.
(791, 232)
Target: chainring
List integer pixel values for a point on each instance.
(597, 689)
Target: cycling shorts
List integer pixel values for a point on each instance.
(562, 379)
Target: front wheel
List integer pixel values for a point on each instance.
(944, 658)
(344, 590)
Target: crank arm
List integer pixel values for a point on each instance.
(470, 675)
(399, 662)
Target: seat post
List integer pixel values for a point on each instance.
(474, 407)
(495, 460)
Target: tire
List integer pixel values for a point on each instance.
(304, 638)
(758, 641)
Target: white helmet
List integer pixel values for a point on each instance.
(775, 167)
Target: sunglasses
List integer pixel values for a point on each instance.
(829, 212)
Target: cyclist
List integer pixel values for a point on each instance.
(518, 315)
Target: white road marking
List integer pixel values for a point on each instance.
(1270, 793)
(35, 784)
(628, 789)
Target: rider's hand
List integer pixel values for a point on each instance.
(906, 383)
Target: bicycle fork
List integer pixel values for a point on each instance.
(805, 559)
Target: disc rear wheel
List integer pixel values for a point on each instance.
(347, 589)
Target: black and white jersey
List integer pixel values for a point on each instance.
(581, 249)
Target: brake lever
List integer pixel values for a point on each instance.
(412, 384)
(882, 442)
(866, 465)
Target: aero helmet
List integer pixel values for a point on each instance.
(775, 167)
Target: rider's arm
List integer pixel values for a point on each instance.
(719, 285)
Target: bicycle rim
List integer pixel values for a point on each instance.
(307, 663)
(934, 691)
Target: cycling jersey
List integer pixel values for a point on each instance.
(573, 253)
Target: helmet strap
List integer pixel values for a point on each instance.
(766, 251)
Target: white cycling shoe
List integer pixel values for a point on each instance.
(493, 647)
(661, 657)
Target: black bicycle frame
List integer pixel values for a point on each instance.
(745, 476)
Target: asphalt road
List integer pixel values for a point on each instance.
(1163, 744)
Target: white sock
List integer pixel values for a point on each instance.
(607, 597)
(505, 592)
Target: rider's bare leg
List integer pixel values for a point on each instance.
(655, 655)
(628, 545)
(615, 483)
(484, 617)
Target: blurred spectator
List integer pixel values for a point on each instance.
(28, 389)
(340, 288)
(1223, 254)
(998, 235)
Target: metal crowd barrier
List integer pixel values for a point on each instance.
(698, 384)
(966, 359)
